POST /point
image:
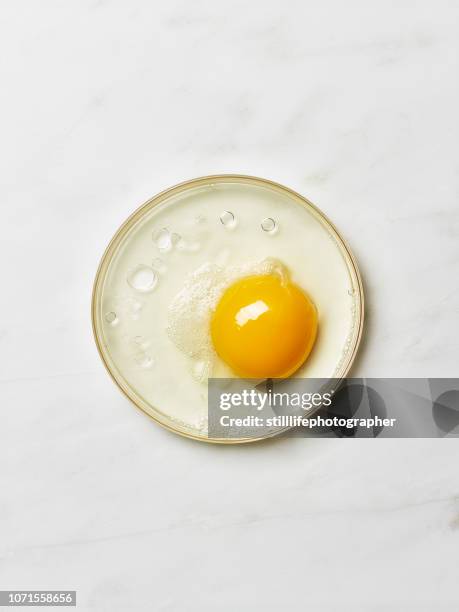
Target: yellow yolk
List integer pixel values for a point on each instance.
(264, 327)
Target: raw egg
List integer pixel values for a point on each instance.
(223, 278)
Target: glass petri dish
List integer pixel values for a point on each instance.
(229, 221)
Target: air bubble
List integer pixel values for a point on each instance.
(127, 306)
(228, 219)
(188, 245)
(139, 344)
(159, 265)
(111, 318)
(181, 244)
(351, 292)
(163, 240)
(269, 226)
(142, 278)
(144, 361)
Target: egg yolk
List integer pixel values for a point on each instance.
(264, 327)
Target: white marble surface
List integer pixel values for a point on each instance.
(105, 103)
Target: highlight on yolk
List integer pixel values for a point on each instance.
(264, 326)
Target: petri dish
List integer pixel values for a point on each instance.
(228, 222)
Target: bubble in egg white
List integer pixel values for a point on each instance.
(142, 278)
(144, 360)
(190, 244)
(269, 226)
(162, 239)
(111, 318)
(122, 308)
(158, 265)
(140, 342)
(228, 219)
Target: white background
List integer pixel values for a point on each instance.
(103, 104)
